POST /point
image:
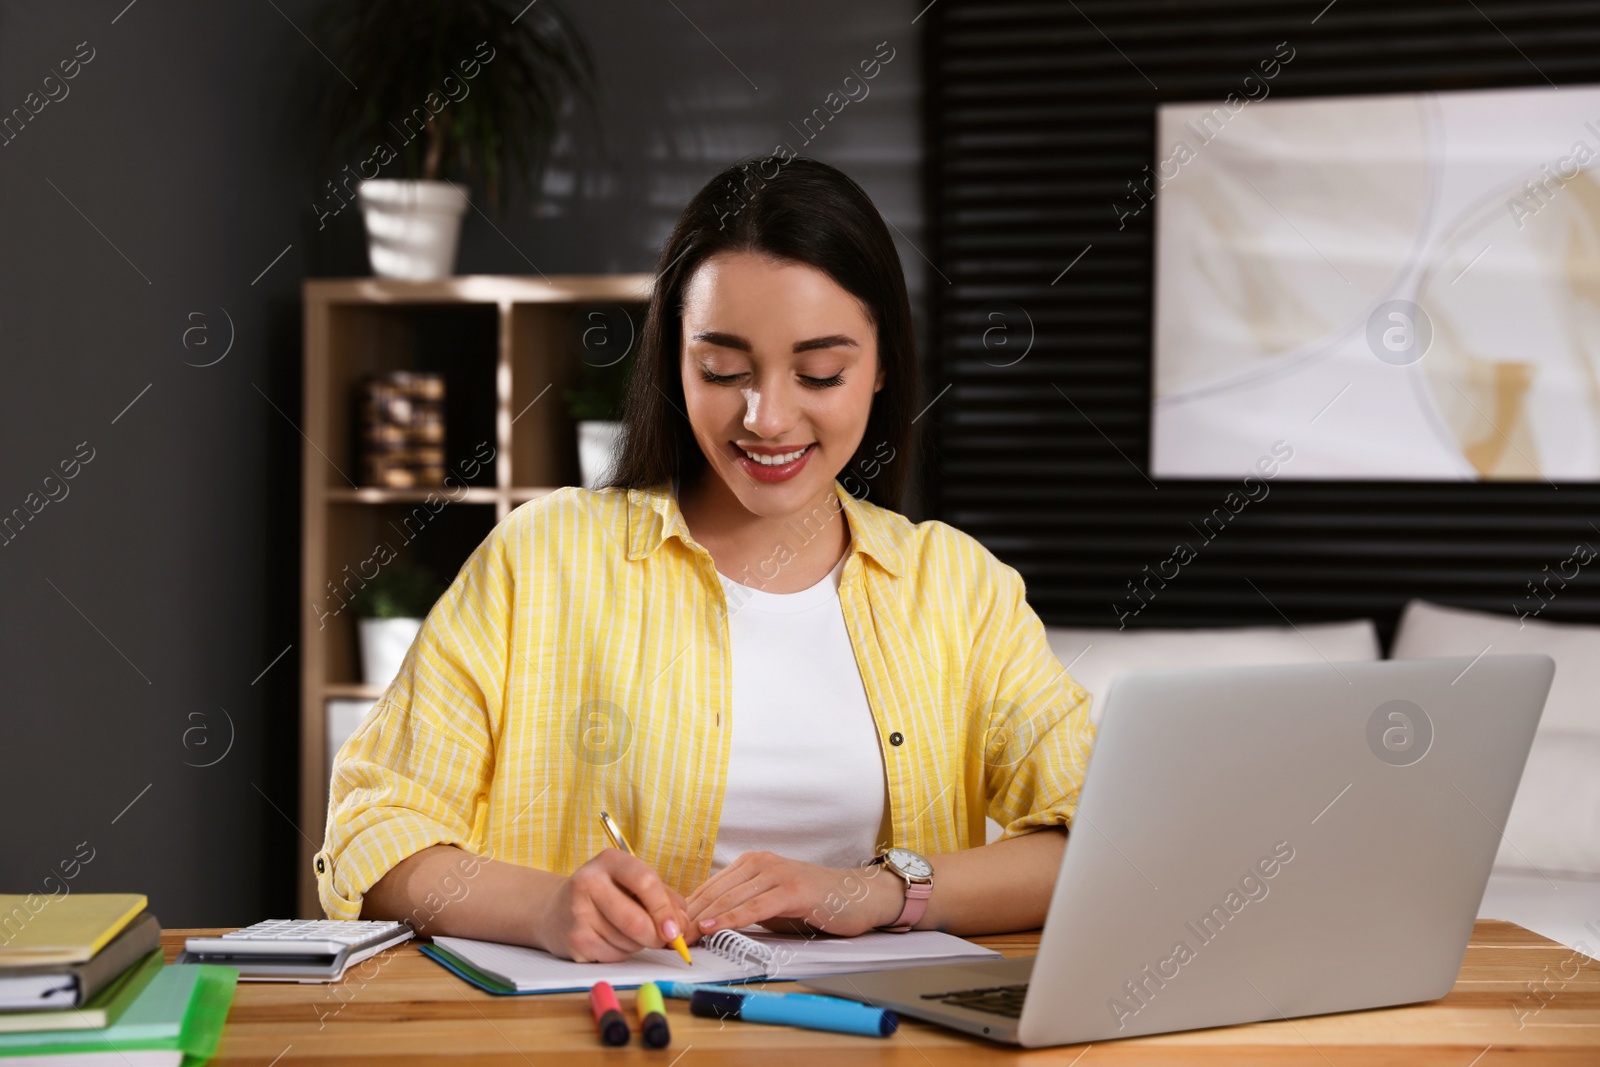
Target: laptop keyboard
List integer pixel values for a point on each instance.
(996, 1000)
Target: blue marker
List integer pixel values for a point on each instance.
(803, 1010)
(687, 990)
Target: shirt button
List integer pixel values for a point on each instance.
(897, 738)
(320, 867)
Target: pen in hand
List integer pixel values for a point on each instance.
(614, 832)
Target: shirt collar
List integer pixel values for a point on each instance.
(653, 516)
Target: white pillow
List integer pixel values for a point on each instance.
(1096, 656)
(1554, 827)
(1574, 704)
(1554, 824)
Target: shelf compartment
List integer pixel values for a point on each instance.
(360, 538)
(459, 342)
(547, 345)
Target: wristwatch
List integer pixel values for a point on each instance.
(918, 873)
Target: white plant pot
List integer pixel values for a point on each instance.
(598, 444)
(384, 644)
(413, 227)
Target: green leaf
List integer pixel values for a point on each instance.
(599, 392)
(398, 591)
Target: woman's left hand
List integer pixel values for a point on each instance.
(785, 894)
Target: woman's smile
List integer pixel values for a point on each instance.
(772, 463)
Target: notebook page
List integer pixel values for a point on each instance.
(530, 970)
(798, 956)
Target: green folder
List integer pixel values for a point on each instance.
(183, 1009)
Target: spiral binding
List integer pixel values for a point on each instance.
(735, 947)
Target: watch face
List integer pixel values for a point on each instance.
(908, 862)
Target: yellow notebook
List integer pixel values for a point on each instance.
(43, 929)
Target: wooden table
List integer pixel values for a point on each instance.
(1519, 997)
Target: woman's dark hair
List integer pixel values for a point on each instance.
(797, 209)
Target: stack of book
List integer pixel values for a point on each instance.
(402, 430)
(82, 981)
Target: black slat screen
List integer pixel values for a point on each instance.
(1038, 115)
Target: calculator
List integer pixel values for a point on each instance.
(296, 950)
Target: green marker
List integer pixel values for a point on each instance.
(653, 1017)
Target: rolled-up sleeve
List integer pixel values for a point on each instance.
(1035, 728)
(417, 771)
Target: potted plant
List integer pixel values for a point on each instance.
(595, 404)
(389, 611)
(434, 93)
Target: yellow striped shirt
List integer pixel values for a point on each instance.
(579, 662)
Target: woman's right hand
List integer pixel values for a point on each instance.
(608, 909)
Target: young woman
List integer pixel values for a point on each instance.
(798, 705)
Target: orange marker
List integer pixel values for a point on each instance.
(614, 832)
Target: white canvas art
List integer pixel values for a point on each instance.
(1398, 286)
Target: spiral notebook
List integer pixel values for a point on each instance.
(750, 955)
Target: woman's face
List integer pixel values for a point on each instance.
(779, 366)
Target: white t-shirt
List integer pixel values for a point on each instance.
(805, 775)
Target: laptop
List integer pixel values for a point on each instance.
(1257, 843)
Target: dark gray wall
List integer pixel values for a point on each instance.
(139, 612)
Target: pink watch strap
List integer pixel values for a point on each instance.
(917, 894)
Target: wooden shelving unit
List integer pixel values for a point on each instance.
(508, 347)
